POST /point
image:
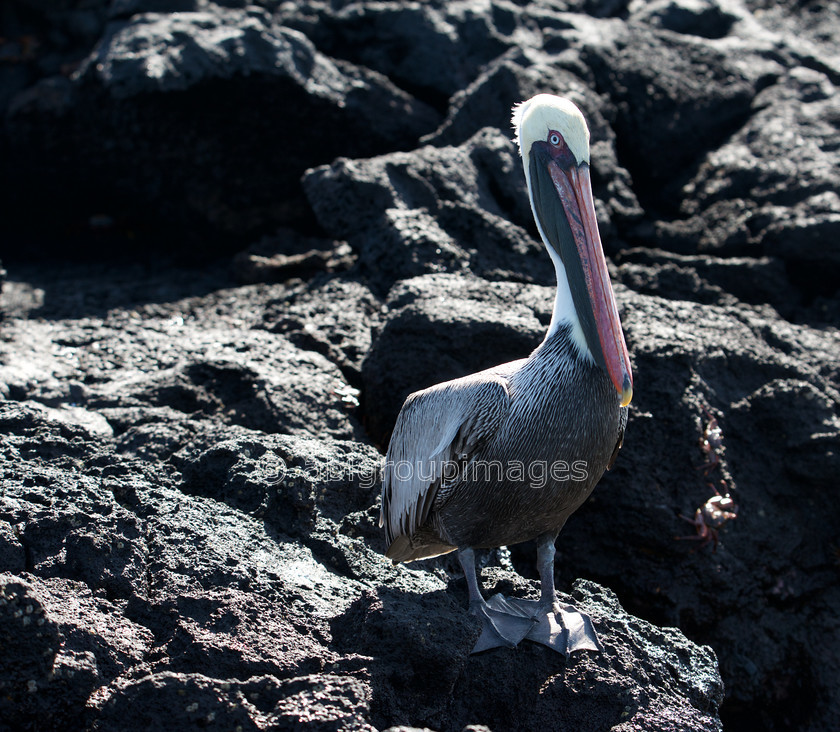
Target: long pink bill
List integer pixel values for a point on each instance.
(574, 187)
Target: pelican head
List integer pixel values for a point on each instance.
(553, 140)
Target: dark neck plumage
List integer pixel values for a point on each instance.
(559, 344)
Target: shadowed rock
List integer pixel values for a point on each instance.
(437, 209)
(233, 104)
(429, 320)
(772, 188)
(273, 595)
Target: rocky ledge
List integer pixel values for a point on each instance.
(191, 444)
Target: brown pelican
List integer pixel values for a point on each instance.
(508, 454)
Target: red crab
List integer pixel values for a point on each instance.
(713, 514)
(711, 443)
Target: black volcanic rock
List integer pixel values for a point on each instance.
(773, 388)
(432, 210)
(430, 319)
(709, 279)
(202, 120)
(254, 589)
(129, 364)
(30, 643)
(325, 701)
(703, 18)
(591, 691)
(433, 49)
(772, 188)
(675, 95)
(335, 317)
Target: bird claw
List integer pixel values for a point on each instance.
(560, 627)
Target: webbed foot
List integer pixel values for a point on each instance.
(502, 624)
(560, 627)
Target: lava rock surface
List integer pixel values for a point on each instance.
(240, 235)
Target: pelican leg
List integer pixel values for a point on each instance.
(500, 625)
(560, 627)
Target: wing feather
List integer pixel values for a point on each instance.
(435, 427)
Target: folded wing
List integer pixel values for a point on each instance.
(438, 430)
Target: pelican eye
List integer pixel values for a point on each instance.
(554, 139)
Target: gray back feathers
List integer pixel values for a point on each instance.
(437, 428)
